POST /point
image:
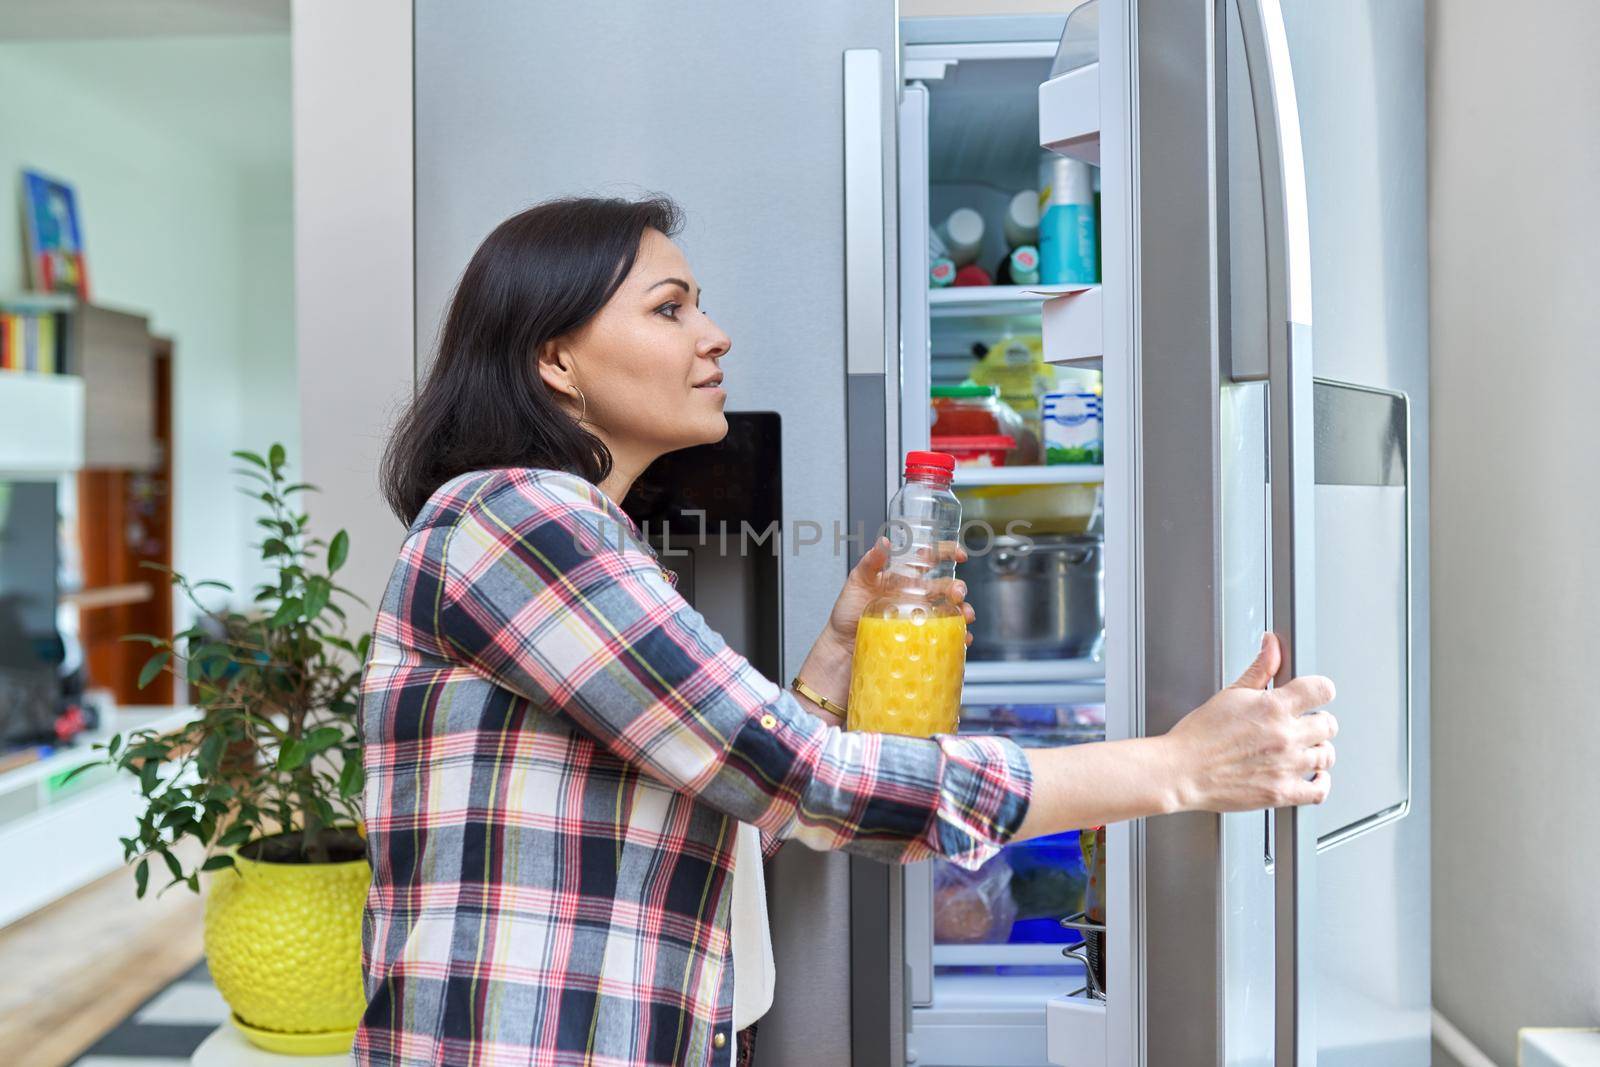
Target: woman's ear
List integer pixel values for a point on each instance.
(557, 369)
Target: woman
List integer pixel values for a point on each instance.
(564, 763)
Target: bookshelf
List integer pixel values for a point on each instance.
(52, 336)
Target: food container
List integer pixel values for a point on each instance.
(977, 411)
(973, 907)
(1048, 880)
(1071, 426)
(1039, 509)
(965, 410)
(1039, 597)
(979, 450)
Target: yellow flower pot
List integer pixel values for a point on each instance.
(283, 942)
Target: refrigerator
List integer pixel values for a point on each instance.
(1258, 319)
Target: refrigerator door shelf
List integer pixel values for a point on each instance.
(1072, 326)
(1075, 1032)
(1069, 114)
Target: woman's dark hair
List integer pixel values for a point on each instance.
(541, 274)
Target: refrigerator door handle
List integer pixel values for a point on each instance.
(1291, 471)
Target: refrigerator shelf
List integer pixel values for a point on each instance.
(1008, 955)
(1071, 691)
(1009, 672)
(967, 301)
(1039, 474)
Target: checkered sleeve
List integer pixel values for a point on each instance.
(545, 595)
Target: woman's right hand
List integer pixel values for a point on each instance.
(1251, 747)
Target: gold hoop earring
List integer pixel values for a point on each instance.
(583, 413)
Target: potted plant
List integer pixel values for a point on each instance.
(267, 781)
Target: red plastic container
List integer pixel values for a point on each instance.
(979, 450)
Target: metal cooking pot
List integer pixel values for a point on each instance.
(1040, 597)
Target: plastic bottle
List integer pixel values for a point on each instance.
(1021, 224)
(1068, 231)
(962, 235)
(911, 646)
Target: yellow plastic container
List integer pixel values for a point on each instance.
(283, 943)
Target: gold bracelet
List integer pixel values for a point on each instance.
(799, 686)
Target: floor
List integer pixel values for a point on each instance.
(72, 971)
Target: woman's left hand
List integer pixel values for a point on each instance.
(863, 584)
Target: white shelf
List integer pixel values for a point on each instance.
(1012, 671)
(38, 303)
(1055, 474)
(992, 955)
(1073, 328)
(60, 839)
(969, 301)
(1069, 114)
(67, 757)
(41, 424)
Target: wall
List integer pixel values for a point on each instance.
(1514, 156)
(177, 227)
(353, 263)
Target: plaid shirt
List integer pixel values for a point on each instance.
(557, 750)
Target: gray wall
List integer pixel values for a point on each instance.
(353, 266)
(1514, 157)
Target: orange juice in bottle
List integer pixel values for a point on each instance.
(911, 640)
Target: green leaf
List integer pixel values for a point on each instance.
(338, 551)
(211, 753)
(317, 592)
(149, 639)
(292, 755)
(212, 583)
(173, 865)
(352, 777)
(116, 743)
(250, 457)
(80, 769)
(216, 863)
(153, 667)
(287, 612)
(323, 737)
(274, 546)
(300, 487)
(236, 835)
(148, 776)
(141, 877)
(276, 457)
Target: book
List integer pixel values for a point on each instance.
(33, 341)
(55, 236)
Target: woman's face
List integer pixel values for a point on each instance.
(647, 364)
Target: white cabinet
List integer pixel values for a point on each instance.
(41, 424)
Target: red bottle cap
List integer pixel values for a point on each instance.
(943, 461)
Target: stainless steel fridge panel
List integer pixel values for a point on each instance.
(1359, 70)
(737, 111)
